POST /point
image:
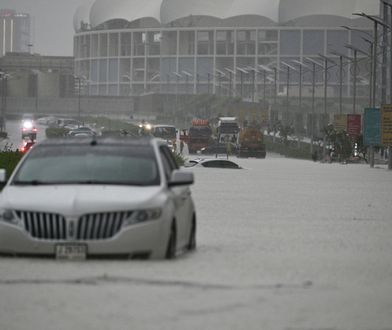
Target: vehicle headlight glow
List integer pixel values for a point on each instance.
(9, 217)
(27, 124)
(143, 216)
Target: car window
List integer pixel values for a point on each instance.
(220, 164)
(210, 164)
(228, 164)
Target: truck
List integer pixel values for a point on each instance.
(228, 130)
(251, 142)
(167, 133)
(199, 135)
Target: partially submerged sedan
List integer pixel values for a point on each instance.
(212, 163)
(78, 198)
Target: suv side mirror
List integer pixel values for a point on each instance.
(3, 175)
(181, 178)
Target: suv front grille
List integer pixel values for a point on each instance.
(94, 226)
(44, 225)
(100, 225)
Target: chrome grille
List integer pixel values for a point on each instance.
(100, 225)
(41, 225)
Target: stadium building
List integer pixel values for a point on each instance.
(247, 48)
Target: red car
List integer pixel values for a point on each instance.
(27, 147)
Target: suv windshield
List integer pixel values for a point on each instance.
(86, 164)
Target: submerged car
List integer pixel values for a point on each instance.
(80, 198)
(212, 163)
(82, 132)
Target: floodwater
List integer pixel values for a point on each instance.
(282, 244)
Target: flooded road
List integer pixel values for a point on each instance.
(282, 244)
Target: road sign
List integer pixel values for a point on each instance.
(340, 122)
(354, 125)
(372, 127)
(386, 125)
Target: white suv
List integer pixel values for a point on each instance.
(78, 198)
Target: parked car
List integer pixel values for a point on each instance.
(78, 198)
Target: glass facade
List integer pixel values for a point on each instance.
(225, 61)
(14, 32)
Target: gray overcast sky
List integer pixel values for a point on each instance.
(53, 32)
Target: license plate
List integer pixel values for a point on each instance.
(71, 251)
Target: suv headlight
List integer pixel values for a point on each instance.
(8, 216)
(140, 216)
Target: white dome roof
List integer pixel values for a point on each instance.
(130, 10)
(167, 11)
(82, 14)
(172, 10)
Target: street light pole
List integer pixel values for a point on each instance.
(266, 70)
(314, 63)
(79, 79)
(231, 75)
(253, 84)
(4, 90)
(325, 119)
(79, 92)
(313, 91)
(371, 45)
(355, 61)
(36, 92)
(275, 85)
(242, 72)
(289, 67)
